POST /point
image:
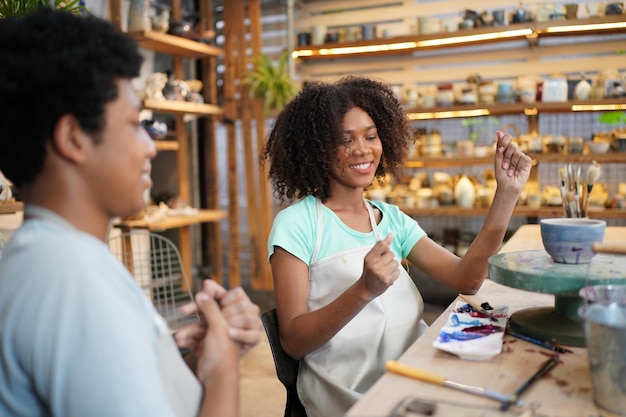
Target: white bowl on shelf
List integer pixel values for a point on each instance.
(598, 147)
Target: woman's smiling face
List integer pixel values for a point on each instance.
(359, 151)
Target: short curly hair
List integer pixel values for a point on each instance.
(306, 135)
(56, 63)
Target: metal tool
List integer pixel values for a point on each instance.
(543, 370)
(405, 370)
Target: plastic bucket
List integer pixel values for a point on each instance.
(604, 313)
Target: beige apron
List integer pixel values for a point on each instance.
(334, 377)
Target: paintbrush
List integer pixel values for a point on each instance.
(478, 308)
(426, 376)
(566, 209)
(537, 342)
(593, 174)
(544, 369)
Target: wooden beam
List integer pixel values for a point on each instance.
(264, 214)
(230, 111)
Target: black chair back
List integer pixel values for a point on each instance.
(286, 367)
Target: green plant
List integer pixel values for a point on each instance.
(19, 8)
(476, 126)
(270, 82)
(612, 117)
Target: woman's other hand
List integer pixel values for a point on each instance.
(512, 166)
(380, 268)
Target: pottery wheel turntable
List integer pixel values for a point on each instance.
(535, 271)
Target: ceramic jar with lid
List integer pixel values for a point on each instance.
(505, 92)
(445, 94)
(487, 92)
(468, 96)
(527, 88)
(554, 89)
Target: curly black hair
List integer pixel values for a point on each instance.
(56, 63)
(306, 134)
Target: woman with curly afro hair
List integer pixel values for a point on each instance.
(345, 305)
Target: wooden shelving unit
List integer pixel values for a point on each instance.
(459, 110)
(183, 52)
(443, 162)
(174, 45)
(531, 31)
(182, 107)
(520, 211)
(323, 61)
(174, 222)
(11, 207)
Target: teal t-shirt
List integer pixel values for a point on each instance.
(295, 229)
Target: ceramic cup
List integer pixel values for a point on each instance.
(570, 240)
(318, 35)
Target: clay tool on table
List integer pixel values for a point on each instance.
(538, 342)
(617, 248)
(411, 372)
(543, 370)
(478, 307)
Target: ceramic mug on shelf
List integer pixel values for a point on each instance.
(318, 35)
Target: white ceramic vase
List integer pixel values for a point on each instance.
(464, 192)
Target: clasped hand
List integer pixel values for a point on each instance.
(241, 314)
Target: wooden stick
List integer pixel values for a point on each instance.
(613, 247)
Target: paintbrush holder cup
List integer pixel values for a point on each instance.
(570, 240)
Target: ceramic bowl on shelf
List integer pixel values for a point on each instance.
(619, 143)
(570, 240)
(598, 147)
(155, 128)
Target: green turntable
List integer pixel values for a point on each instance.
(535, 271)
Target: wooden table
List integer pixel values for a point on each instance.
(566, 391)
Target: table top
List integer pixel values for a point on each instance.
(565, 391)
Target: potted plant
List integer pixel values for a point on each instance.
(271, 82)
(19, 8)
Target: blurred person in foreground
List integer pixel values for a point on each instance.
(78, 337)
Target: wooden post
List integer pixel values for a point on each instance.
(264, 213)
(232, 22)
(209, 178)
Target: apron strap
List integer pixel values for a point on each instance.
(318, 241)
(368, 206)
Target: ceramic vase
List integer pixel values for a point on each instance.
(464, 192)
(582, 91)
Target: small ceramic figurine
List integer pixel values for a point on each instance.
(154, 86)
(161, 21)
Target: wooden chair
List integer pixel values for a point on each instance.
(286, 367)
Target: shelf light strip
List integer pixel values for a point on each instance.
(399, 46)
(598, 107)
(448, 114)
(583, 28)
